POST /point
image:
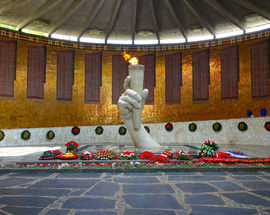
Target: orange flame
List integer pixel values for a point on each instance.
(128, 58)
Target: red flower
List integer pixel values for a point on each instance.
(72, 142)
(267, 126)
(159, 159)
(147, 155)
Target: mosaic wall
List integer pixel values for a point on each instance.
(20, 112)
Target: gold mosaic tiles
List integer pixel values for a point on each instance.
(20, 112)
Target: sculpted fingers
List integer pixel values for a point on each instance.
(127, 83)
(125, 109)
(132, 102)
(144, 96)
(135, 96)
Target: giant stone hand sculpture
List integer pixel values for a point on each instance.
(130, 106)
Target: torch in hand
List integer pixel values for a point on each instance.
(136, 73)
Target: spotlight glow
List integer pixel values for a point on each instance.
(200, 38)
(229, 34)
(91, 40)
(258, 28)
(119, 41)
(171, 41)
(145, 42)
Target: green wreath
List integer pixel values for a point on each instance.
(147, 129)
(25, 135)
(99, 130)
(50, 135)
(217, 126)
(2, 135)
(75, 130)
(267, 126)
(169, 126)
(122, 130)
(242, 126)
(192, 127)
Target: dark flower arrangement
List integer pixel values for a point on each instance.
(50, 154)
(50, 135)
(99, 130)
(169, 126)
(267, 126)
(192, 127)
(25, 135)
(122, 130)
(217, 126)
(106, 155)
(2, 135)
(75, 130)
(242, 126)
(147, 129)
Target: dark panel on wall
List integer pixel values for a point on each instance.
(173, 78)
(200, 75)
(7, 67)
(260, 73)
(229, 72)
(119, 74)
(149, 62)
(65, 75)
(36, 71)
(93, 77)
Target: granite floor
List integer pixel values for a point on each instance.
(149, 193)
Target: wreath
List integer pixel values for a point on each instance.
(2, 135)
(267, 126)
(75, 130)
(122, 130)
(147, 129)
(242, 126)
(169, 126)
(99, 130)
(50, 135)
(25, 135)
(192, 127)
(217, 127)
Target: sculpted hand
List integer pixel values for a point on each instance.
(131, 103)
(131, 100)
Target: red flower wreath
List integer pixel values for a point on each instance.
(159, 159)
(147, 155)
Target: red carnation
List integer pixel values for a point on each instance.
(147, 155)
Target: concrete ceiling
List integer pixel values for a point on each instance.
(135, 21)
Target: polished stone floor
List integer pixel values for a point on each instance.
(149, 193)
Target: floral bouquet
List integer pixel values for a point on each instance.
(182, 155)
(87, 155)
(147, 155)
(166, 154)
(68, 156)
(50, 154)
(208, 149)
(72, 146)
(128, 156)
(159, 159)
(106, 155)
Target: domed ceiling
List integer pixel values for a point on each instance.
(136, 21)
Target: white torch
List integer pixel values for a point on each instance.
(136, 73)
